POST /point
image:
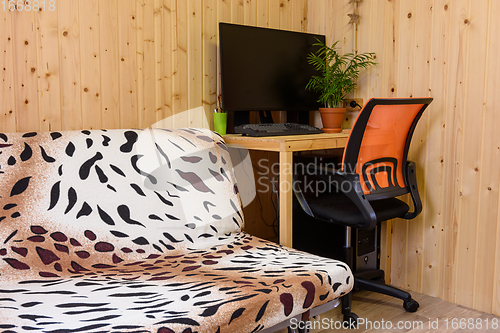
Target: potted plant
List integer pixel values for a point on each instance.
(338, 76)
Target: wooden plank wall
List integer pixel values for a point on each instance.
(90, 64)
(447, 50)
(121, 63)
(132, 63)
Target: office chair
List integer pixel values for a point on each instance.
(363, 193)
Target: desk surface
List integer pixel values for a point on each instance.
(289, 143)
(286, 145)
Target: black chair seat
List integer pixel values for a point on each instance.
(338, 208)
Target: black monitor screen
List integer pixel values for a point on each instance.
(266, 69)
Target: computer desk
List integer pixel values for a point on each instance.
(285, 146)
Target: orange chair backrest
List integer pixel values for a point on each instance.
(378, 145)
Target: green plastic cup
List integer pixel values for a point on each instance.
(220, 122)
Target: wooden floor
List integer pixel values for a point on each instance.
(380, 313)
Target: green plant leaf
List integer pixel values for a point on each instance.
(339, 73)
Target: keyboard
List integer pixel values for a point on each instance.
(276, 129)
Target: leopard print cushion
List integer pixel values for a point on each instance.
(140, 231)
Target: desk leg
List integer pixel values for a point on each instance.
(286, 198)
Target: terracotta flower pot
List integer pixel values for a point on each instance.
(332, 119)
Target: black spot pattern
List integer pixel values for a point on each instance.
(85, 168)
(124, 213)
(27, 153)
(20, 186)
(55, 135)
(105, 141)
(46, 157)
(150, 177)
(9, 206)
(86, 210)
(117, 170)
(118, 234)
(102, 177)
(72, 198)
(70, 149)
(54, 195)
(155, 217)
(171, 238)
(141, 241)
(131, 138)
(138, 189)
(163, 199)
(10, 236)
(105, 216)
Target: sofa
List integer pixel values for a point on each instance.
(141, 231)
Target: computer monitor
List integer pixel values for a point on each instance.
(265, 69)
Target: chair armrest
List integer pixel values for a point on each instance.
(347, 183)
(411, 175)
(355, 193)
(299, 195)
(301, 198)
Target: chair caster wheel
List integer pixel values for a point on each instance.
(351, 321)
(411, 305)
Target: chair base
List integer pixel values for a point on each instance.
(363, 281)
(381, 288)
(350, 318)
(371, 274)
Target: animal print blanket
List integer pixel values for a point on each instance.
(140, 231)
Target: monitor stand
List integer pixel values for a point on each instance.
(266, 117)
(291, 117)
(236, 119)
